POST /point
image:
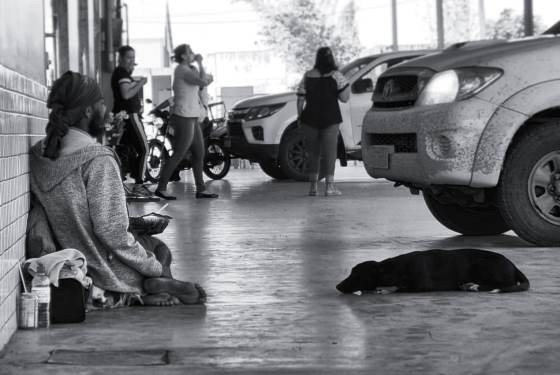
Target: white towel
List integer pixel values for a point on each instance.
(63, 264)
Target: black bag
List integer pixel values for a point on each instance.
(68, 302)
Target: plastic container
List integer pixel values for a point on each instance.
(41, 287)
(28, 311)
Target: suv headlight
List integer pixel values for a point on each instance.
(263, 111)
(457, 84)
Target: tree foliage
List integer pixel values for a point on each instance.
(510, 25)
(297, 28)
(459, 21)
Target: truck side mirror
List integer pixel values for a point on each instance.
(362, 86)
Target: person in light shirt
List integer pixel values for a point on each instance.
(188, 81)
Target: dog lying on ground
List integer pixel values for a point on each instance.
(437, 270)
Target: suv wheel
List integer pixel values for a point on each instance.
(468, 221)
(293, 155)
(271, 168)
(529, 188)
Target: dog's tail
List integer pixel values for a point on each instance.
(522, 283)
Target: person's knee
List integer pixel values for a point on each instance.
(156, 246)
(197, 156)
(198, 148)
(162, 252)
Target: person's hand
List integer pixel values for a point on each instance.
(198, 58)
(142, 81)
(209, 78)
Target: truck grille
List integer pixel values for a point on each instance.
(396, 91)
(404, 143)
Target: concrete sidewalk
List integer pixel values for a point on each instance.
(269, 257)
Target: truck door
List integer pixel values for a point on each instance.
(361, 91)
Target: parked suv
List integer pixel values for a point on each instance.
(263, 128)
(476, 128)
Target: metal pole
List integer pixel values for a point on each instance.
(108, 57)
(482, 19)
(395, 28)
(528, 18)
(440, 30)
(125, 5)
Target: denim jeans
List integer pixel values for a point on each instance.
(321, 144)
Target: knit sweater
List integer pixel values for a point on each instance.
(85, 203)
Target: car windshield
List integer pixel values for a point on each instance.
(356, 65)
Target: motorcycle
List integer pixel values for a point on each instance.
(217, 161)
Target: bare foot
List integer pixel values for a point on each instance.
(160, 299)
(188, 293)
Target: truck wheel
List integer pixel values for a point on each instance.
(466, 220)
(529, 188)
(293, 156)
(271, 168)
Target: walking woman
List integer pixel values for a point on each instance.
(187, 81)
(319, 116)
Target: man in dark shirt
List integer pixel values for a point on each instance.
(126, 98)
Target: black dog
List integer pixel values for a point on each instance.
(437, 270)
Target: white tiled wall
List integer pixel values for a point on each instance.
(22, 122)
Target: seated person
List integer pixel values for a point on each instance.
(77, 181)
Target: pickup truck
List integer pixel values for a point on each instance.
(263, 129)
(476, 129)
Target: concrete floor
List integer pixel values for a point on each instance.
(269, 257)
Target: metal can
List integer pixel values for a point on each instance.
(28, 311)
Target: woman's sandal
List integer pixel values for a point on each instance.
(313, 189)
(164, 196)
(331, 191)
(201, 194)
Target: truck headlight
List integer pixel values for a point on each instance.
(457, 84)
(263, 111)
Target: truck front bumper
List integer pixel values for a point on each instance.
(429, 145)
(236, 144)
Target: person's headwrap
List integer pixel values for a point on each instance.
(70, 95)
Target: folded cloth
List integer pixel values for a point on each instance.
(63, 264)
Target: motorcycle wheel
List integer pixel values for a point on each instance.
(216, 161)
(157, 157)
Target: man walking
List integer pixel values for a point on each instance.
(133, 148)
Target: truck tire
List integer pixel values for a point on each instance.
(271, 168)
(529, 187)
(466, 220)
(292, 156)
